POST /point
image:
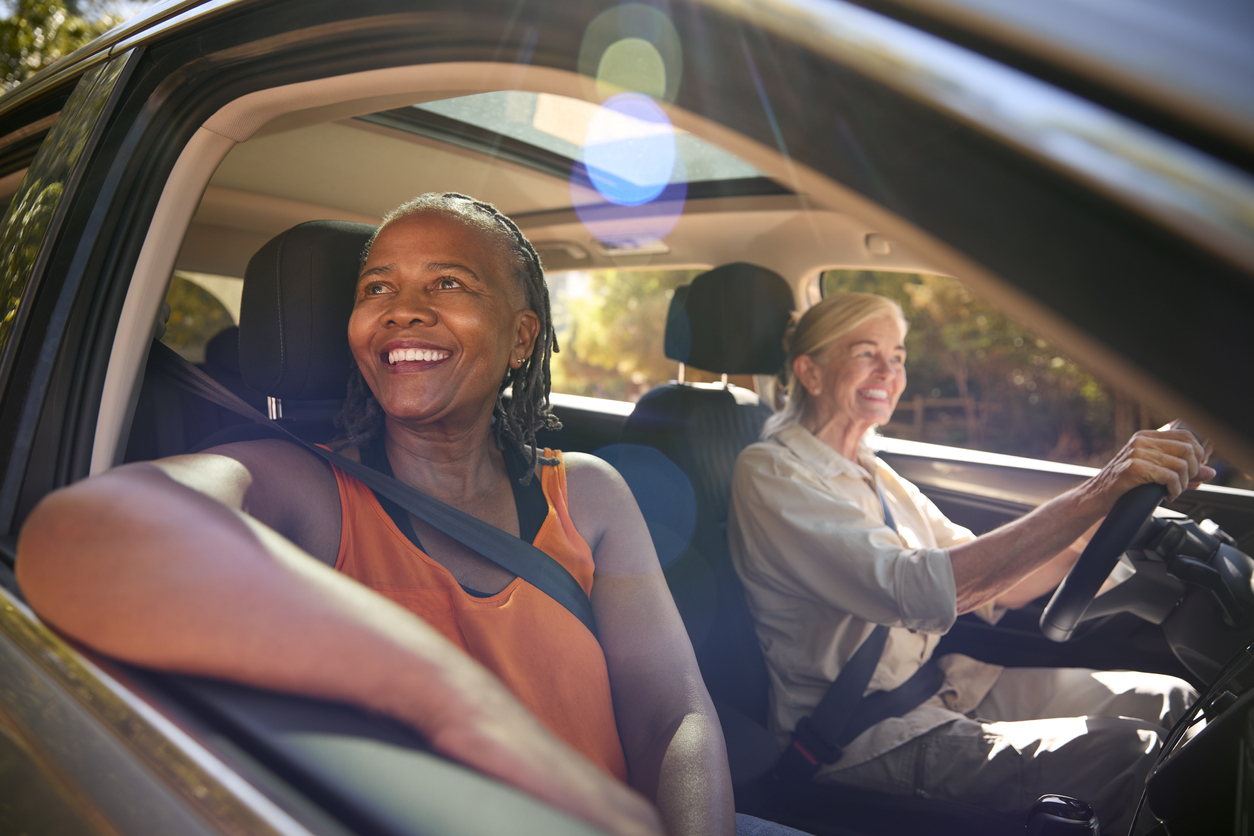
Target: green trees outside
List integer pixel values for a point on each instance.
(976, 378)
(195, 316)
(37, 32)
(611, 325)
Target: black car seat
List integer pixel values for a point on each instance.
(290, 352)
(168, 420)
(730, 320)
(222, 364)
(293, 337)
(293, 353)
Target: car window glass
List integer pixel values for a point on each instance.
(31, 212)
(610, 327)
(17, 151)
(201, 306)
(978, 379)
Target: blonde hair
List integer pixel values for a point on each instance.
(829, 320)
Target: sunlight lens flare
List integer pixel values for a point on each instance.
(664, 493)
(630, 149)
(637, 177)
(631, 48)
(631, 59)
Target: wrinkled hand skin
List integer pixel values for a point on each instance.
(1171, 456)
(1027, 558)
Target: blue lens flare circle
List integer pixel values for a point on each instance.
(630, 149)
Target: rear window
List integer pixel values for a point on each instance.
(201, 305)
(610, 327)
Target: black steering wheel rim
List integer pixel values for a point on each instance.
(1065, 609)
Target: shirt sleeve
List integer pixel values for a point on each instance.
(948, 534)
(805, 540)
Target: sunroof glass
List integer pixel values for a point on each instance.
(560, 125)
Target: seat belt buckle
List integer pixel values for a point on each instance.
(807, 752)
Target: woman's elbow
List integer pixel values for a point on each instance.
(46, 548)
(63, 549)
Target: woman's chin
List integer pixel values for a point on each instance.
(427, 414)
(874, 416)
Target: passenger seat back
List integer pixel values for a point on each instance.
(730, 320)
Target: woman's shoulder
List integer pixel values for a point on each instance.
(585, 471)
(269, 456)
(597, 497)
(768, 455)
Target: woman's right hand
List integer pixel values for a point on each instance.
(1171, 456)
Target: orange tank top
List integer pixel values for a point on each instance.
(532, 643)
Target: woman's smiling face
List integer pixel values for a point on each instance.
(439, 318)
(861, 375)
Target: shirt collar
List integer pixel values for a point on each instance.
(820, 457)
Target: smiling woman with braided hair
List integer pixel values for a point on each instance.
(517, 421)
(255, 561)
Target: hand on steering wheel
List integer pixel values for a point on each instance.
(1151, 455)
(1066, 608)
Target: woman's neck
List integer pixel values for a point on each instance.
(835, 429)
(447, 463)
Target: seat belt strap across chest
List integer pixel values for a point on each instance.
(510, 553)
(844, 712)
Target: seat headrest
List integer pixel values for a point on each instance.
(297, 298)
(730, 320)
(678, 339)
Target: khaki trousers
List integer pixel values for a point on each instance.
(1089, 734)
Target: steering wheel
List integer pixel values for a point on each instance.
(1066, 608)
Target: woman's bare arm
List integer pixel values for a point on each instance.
(991, 565)
(1048, 576)
(670, 732)
(141, 567)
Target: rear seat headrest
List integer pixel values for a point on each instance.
(297, 298)
(730, 320)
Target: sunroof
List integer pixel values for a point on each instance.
(561, 125)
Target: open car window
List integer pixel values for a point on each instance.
(979, 379)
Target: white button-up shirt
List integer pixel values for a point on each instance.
(821, 568)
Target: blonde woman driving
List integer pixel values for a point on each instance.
(830, 542)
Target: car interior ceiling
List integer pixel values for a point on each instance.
(262, 188)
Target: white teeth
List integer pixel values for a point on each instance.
(410, 355)
(876, 393)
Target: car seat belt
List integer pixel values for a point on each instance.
(844, 712)
(507, 551)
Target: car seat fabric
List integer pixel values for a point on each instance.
(729, 320)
